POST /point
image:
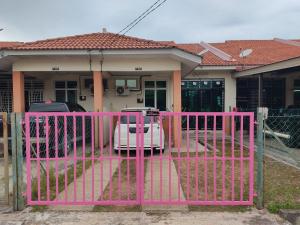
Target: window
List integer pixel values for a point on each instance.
(66, 91)
(129, 83)
(156, 94)
(297, 92)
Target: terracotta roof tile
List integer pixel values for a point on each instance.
(264, 52)
(9, 44)
(93, 41)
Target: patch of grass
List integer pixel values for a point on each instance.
(281, 186)
(220, 208)
(214, 178)
(128, 189)
(52, 182)
(39, 208)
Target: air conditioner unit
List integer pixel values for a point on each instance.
(122, 91)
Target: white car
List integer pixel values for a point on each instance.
(153, 137)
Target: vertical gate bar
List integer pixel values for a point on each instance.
(119, 156)
(83, 157)
(232, 157)
(28, 158)
(223, 157)
(66, 157)
(160, 156)
(137, 166)
(142, 150)
(47, 157)
(188, 156)
(151, 161)
(179, 154)
(197, 159)
(205, 158)
(242, 157)
(128, 157)
(110, 155)
(170, 155)
(5, 148)
(93, 153)
(215, 157)
(75, 158)
(38, 156)
(101, 154)
(56, 156)
(251, 167)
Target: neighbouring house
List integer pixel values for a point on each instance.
(107, 72)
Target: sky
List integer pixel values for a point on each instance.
(177, 20)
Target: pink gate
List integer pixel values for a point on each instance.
(130, 158)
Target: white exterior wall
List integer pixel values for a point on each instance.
(76, 63)
(230, 85)
(112, 102)
(165, 66)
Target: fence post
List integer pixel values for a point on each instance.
(260, 159)
(17, 160)
(5, 148)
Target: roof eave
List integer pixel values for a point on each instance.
(173, 52)
(285, 64)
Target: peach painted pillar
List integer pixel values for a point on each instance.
(18, 91)
(177, 106)
(98, 91)
(98, 102)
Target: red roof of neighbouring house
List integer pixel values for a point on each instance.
(94, 41)
(263, 52)
(9, 44)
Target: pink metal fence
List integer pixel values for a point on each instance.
(127, 158)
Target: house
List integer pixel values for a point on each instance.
(107, 72)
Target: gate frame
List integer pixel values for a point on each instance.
(140, 159)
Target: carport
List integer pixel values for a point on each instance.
(274, 86)
(277, 87)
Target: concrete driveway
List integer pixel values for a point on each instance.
(253, 217)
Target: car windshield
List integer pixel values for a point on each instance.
(132, 119)
(44, 107)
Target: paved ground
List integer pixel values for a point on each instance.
(160, 190)
(253, 217)
(88, 186)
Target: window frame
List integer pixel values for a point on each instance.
(155, 89)
(66, 89)
(126, 79)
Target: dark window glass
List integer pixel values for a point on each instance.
(149, 84)
(60, 95)
(72, 96)
(297, 93)
(161, 100)
(60, 84)
(132, 119)
(149, 98)
(161, 84)
(72, 84)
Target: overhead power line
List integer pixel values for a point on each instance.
(132, 24)
(135, 22)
